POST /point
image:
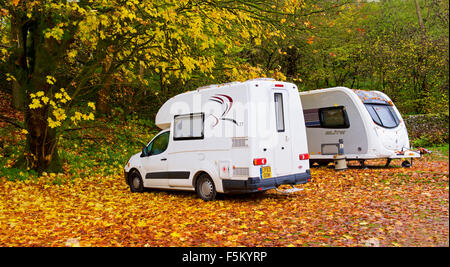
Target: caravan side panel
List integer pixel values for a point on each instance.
(323, 142)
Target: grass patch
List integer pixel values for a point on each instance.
(98, 151)
(440, 152)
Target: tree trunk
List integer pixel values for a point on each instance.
(419, 16)
(41, 146)
(104, 93)
(18, 95)
(103, 98)
(32, 60)
(422, 60)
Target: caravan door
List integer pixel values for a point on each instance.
(282, 150)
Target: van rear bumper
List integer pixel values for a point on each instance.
(256, 184)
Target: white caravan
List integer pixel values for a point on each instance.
(231, 138)
(366, 122)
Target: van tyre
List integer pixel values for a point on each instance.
(205, 187)
(135, 182)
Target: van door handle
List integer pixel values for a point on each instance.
(163, 159)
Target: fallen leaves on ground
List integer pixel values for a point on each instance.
(356, 207)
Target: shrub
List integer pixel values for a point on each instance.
(428, 129)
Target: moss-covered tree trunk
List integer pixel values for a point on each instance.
(34, 58)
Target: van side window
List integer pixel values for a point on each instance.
(188, 126)
(279, 112)
(328, 117)
(159, 144)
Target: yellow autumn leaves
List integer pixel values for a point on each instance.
(55, 103)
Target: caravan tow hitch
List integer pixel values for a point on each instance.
(290, 190)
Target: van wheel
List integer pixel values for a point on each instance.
(135, 182)
(205, 188)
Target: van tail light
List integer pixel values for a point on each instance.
(279, 85)
(260, 161)
(304, 156)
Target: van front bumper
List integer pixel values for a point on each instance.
(256, 184)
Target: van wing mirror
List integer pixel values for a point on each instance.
(144, 152)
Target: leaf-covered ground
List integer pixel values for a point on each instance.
(90, 204)
(357, 207)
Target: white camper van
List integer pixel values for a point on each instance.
(366, 123)
(230, 138)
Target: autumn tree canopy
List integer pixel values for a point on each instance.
(66, 62)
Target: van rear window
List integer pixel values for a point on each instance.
(188, 126)
(279, 111)
(383, 115)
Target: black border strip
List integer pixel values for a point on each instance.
(168, 175)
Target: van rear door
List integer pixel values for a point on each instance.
(282, 150)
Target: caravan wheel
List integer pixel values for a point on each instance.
(205, 188)
(406, 164)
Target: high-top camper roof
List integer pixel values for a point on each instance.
(185, 100)
(165, 113)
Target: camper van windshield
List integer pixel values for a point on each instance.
(383, 115)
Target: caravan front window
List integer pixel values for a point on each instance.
(383, 115)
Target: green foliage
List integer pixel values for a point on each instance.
(130, 58)
(428, 129)
(373, 46)
(16, 174)
(422, 141)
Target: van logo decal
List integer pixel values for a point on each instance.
(227, 102)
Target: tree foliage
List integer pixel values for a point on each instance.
(66, 62)
(63, 49)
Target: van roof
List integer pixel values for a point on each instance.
(214, 86)
(162, 119)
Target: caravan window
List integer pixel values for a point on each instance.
(333, 117)
(188, 126)
(383, 115)
(279, 115)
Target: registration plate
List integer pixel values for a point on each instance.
(266, 172)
